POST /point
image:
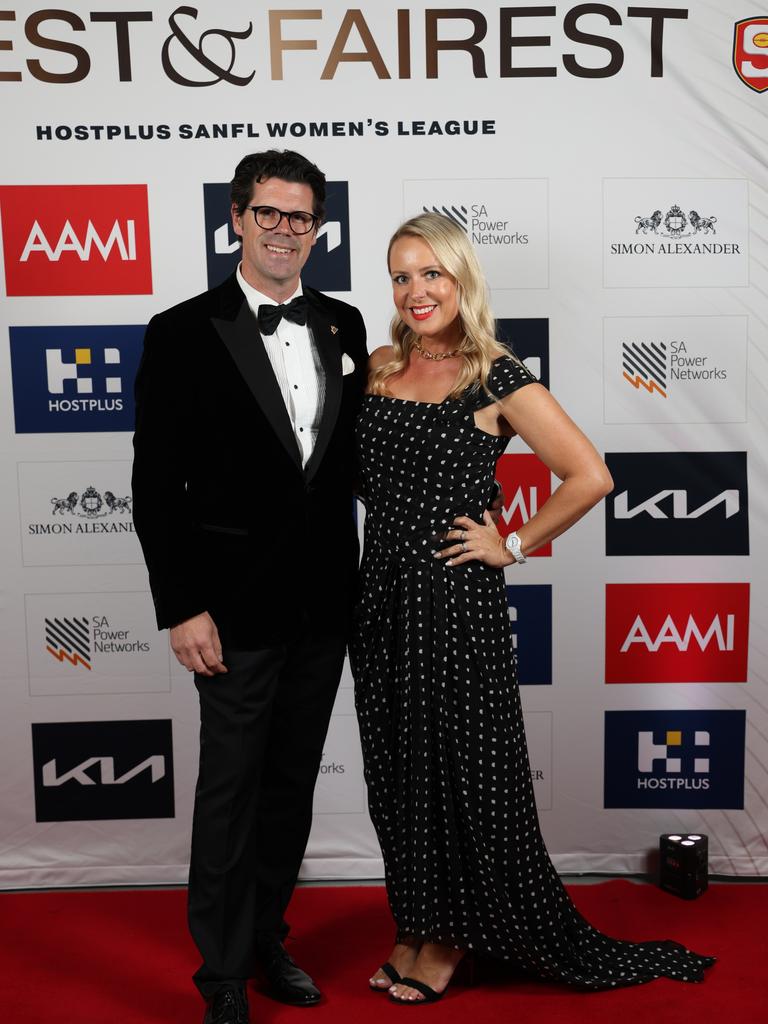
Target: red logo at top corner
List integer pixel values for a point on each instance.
(750, 52)
(76, 239)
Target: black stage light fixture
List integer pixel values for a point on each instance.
(684, 864)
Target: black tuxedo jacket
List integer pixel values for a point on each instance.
(229, 521)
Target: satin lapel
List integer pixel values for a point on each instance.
(329, 349)
(242, 338)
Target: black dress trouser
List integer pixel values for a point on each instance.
(262, 729)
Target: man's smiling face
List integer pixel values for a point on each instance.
(273, 259)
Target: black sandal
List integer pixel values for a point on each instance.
(430, 996)
(393, 975)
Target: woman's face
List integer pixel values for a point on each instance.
(425, 294)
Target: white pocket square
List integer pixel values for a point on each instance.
(347, 364)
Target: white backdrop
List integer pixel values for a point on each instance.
(651, 329)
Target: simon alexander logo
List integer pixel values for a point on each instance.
(675, 759)
(527, 483)
(71, 379)
(328, 266)
(76, 239)
(750, 52)
(676, 632)
(677, 503)
(99, 771)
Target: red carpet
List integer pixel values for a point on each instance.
(126, 958)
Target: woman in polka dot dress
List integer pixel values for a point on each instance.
(446, 764)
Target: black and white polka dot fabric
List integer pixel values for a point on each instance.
(446, 764)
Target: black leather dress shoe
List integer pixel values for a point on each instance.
(286, 981)
(228, 1006)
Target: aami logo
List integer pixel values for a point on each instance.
(328, 266)
(527, 483)
(93, 771)
(530, 612)
(681, 759)
(529, 340)
(76, 239)
(750, 52)
(69, 640)
(676, 632)
(74, 378)
(677, 503)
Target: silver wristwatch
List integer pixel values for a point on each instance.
(515, 548)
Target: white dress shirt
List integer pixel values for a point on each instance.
(297, 368)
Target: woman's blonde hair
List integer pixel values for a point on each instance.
(478, 346)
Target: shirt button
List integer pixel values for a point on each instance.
(295, 387)
(301, 430)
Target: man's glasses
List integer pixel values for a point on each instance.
(268, 217)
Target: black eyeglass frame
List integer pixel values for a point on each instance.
(288, 214)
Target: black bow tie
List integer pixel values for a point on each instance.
(269, 317)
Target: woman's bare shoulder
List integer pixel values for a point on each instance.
(381, 355)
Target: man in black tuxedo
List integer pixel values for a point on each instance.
(242, 482)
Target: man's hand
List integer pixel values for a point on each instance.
(196, 644)
(497, 504)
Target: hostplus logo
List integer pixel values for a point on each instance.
(530, 613)
(680, 759)
(329, 266)
(76, 239)
(670, 761)
(71, 379)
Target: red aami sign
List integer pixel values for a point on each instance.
(527, 483)
(76, 239)
(750, 52)
(676, 632)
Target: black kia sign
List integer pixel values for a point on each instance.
(677, 503)
(98, 771)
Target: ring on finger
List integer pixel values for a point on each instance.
(463, 547)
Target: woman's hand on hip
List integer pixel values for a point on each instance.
(475, 542)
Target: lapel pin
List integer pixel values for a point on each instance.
(334, 329)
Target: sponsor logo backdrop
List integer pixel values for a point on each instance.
(625, 255)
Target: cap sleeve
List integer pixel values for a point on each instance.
(507, 374)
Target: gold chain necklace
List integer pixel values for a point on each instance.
(436, 356)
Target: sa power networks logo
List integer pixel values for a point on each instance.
(676, 632)
(100, 771)
(527, 483)
(678, 369)
(675, 233)
(76, 239)
(506, 221)
(529, 340)
(677, 503)
(530, 612)
(680, 759)
(328, 266)
(750, 52)
(94, 643)
(69, 379)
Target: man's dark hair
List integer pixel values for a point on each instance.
(273, 163)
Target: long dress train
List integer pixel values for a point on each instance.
(449, 784)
